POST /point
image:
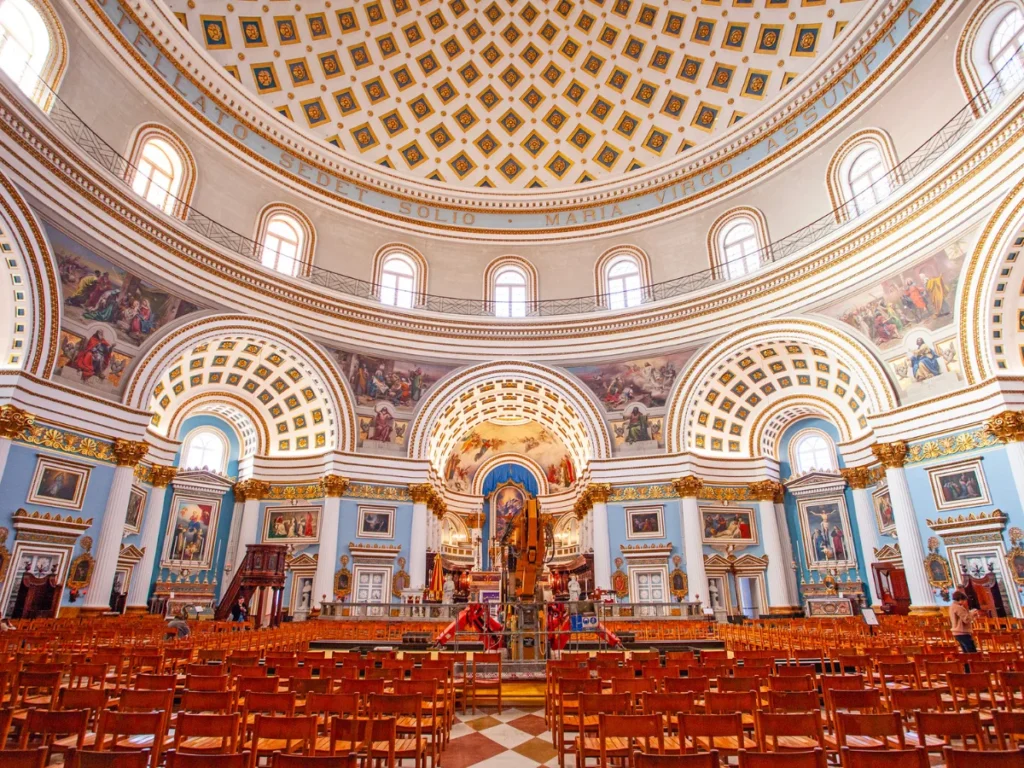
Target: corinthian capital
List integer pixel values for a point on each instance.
(765, 490)
(599, 492)
(689, 486)
(857, 477)
(162, 476)
(14, 421)
(1008, 426)
(128, 453)
(333, 485)
(891, 455)
(420, 493)
(251, 490)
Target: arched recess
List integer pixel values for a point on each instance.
(989, 299)
(182, 188)
(412, 257)
(290, 383)
(249, 425)
(767, 430)
(29, 325)
(525, 462)
(973, 64)
(839, 191)
(511, 390)
(723, 393)
(48, 73)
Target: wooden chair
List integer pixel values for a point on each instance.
(87, 758)
(862, 731)
(282, 733)
(619, 735)
(36, 689)
(973, 690)
(432, 718)
(24, 758)
(567, 721)
(669, 705)
(345, 735)
(695, 760)
(206, 733)
(91, 700)
(1009, 728)
(177, 759)
(707, 732)
(49, 725)
(131, 731)
(591, 708)
(951, 725)
(891, 758)
(806, 759)
(793, 701)
(305, 761)
(257, 704)
(969, 758)
(489, 681)
(789, 732)
(407, 712)
(210, 702)
(746, 704)
(382, 743)
(207, 682)
(791, 682)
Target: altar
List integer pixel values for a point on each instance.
(832, 607)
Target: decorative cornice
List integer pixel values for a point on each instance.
(599, 492)
(14, 421)
(253, 490)
(333, 486)
(970, 522)
(765, 490)
(300, 491)
(688, 487)
(128, 453)
(891, 455)
(890, 553)
(161, 476)
(857, 477)
(420, 493)
(950, 446)
(68, 442)
(1007, 426)
(381, 492)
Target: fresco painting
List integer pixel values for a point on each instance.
(645, 380)
(403, 383)
(489, 439)
(109, 315)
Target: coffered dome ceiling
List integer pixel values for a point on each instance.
(516, 94)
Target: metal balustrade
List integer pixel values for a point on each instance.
(1006, 81)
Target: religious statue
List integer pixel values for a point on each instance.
(448, 591)
(574, 589)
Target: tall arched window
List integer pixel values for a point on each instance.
(1004, 49)
(738, 242)
(812, 450)
(33, 52)
(988, 62)
(205, 448)
(862, 173)
(621, 275)
(510, 286)
(399, 272)
(285, 237)
(162, 170)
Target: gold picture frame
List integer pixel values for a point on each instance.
(940, 576)
(80, 571)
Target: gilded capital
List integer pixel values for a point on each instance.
(14, 421)
(162, 476)
(1007, 426)
(857, 477)
(891, 455)
(251, 490)
(688, 486)
(128, 453)
(599, 492)
(420, 493)
(333, 485)
(765, 490)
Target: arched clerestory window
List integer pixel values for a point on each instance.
(205, 448)
(286, 239)
(622, 274)
(990, 61)
(738, 243)
(399, 274)
(161, 169)
(510, 287)
(812, 450)
(33, 49)
(862, 173)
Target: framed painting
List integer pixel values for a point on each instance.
(884, 516)
(291, 525)
(960, 485)
(191, 530)
(728, 525)
(59, 483)
(376, 523)
(645, 522)
(825, 526)
(136, 508)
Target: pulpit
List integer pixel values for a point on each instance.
(38, 597)
(984, 594)
(262, 570)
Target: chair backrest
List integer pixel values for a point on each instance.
(795, 759)
(330, 705)
(207, 682)
(716, 702)
(117, 724)
(884, 758)
(88, 758)
(952, 725)
(247, 685)
(738, 684)
(24, 758)
(969, 758)
(865, 700)
(646, 731)
(91, 699)
(793, 701)
(270, 704)
(52, 723)
(710, 727)
(223, 726)
(155, 682)
(695, 760)
(970, 689)
(1009, 728)
(770, 726)
(592, 704)
(177, 759)
(791, 682)
(670, 704)
(696, 684)
(881, 726)
(634, 687)
(306, 685)
(909, 700)
(298, 728)
(207, 701)
(281, 760)
(132, 700)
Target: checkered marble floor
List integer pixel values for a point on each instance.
(515, 738)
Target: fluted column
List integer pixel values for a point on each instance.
(138, 590)
(688, 489)
(598, 494)
(859, 478)
(893, 456)
(323, 581)
(13, 421)
(787, 545)
(250, 493)
(421, 494)
(127, 454)
(779, 601)
(1008, 426)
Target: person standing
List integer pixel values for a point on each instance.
(239, 611)
(961, 618)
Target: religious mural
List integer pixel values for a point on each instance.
(382, 428)
(646, 380)
(637, 428)
(399, 382)
(109, 314)
(489, 439)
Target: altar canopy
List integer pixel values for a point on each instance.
(498, 476)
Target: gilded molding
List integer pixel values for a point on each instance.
(68, 442)
(333, 486)
(128, 453)
(765, 490)
(689, 486)
(160, 476)
(303, 492)
(891, 455)
(1008, 426)
(381, 492)
(599, 492)
(254, 490)
(14, 421)
(952, 445)
(420, 493)
(857, 477)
